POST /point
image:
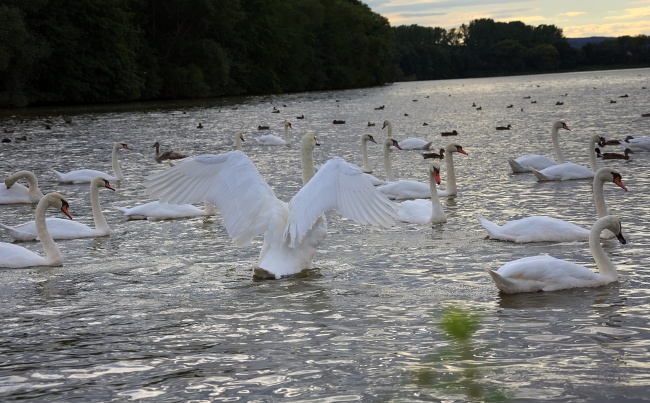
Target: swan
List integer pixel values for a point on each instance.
(614, 156)
(546, 273)
(156, 210)
(273, 140)
(239, 138)
(549, 229)
(406, 189)
(523, 163)
(167, 155)
(87, 175)
(569, 170)
(249, 207)
(420, 211)
(60, 228)
(12, 192)
(411, 143)
(17, 257)
(637, 144)
(365, 138)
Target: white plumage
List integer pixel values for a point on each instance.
(525, 162)
(12, 192)
(87, 175)
(570, 170)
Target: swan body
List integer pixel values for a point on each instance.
(637, 144)
(12, 192)
(60, 228)
(410, 143)
(249, 207)
(156, 210)
(546, 273)
(17, 257)
(87, 175)
(549, 229)
(570, 170)
(273, 140)
(539, 162)
(167, 155)
(420, 211)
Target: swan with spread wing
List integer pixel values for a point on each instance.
(249, 207)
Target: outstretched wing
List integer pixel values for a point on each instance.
(230, 181)
(338, 186)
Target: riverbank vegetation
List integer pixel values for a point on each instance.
(62, 52)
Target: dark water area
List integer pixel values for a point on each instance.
(169, 310)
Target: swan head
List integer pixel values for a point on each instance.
(240, 136)
(102, 183)
(386, 123)
(628, 138)
(391, 142)
(155, 145)
(434, 169)
(309, 141)
(368, 137)
(288, 124)
(560, 125)
(606, 174)
(58, 201)
(455, 148)
(123, 146)
(613, 223)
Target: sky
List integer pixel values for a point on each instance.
(576, 18)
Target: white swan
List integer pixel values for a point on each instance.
(523, 163)
(87, 175)
(365, 138)
(273, 140)
(410, 143)
(156, 210)
(408, 189)
(60, 228)
(549, 229)
(569, 170)
(292, 231)
(546, 273)
(421, 211)
(239, 138)
(637, 144)
(12, 192)
(17, 257)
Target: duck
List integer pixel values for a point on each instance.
(87, 175)
(539, 162)
(60, 228)
(451, 133)
(15, 193)
(547, 273)
(273, 140)
(249, 207)
(439, 155)
(421, 211)
(17, 257)
(411, 143)
(550, 229)
(167, 155)
(262, 127)
(570, 170)
(604, 142)
(614, 156)
(504, 127)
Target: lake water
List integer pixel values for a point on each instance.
(169, 311)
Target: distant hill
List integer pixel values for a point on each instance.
(580, 42)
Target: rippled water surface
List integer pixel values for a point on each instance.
(169, 311)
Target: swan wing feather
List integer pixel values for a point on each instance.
(340, 186)
(229, 181)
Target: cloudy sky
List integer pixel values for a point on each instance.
(576, 18)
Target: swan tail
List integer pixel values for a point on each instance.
(58, 175)
(517, 167)
(502, 283)
(540, 175)
(489, 226)
(17, 234)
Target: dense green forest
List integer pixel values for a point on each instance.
(81, 52)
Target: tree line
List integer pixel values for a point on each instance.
(62, 52)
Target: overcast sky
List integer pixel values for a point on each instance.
(576, 18)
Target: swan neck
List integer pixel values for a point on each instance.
(556, 145)
(238, 145)
(387, 166)
(308, 169)
(593, 162)
(389, 126)
(157, 151)
(605, 266)
(599, 197)
(286, 133)
(437, 213)
(52, 251)
(451, 174)
(364, 155)
(117, 170)
(98, 215)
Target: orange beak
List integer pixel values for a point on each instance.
(436, 175)
(64, 208)
(619, 182)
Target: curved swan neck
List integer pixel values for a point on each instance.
(593, 161)
(556, 144)
(117, 170)
(387, 166)
(364, 155)
(605, 266)
(52, 251)
(31, 180)
(95, 205)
